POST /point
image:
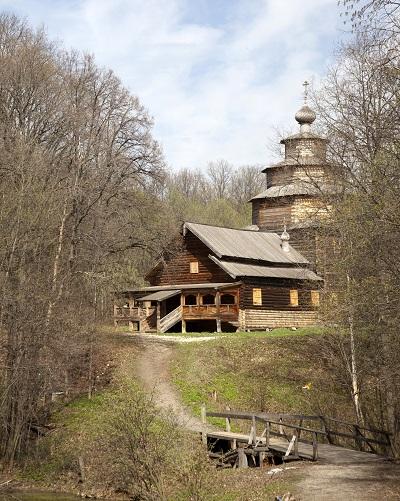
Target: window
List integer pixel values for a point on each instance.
(209, 299)
(257, 296)
(227, 299)
(194, 267)
(294, 297)
(190, 300)
(315, 298)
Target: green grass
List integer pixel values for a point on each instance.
(249, 335)
(261, 371)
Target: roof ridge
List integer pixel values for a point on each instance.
(229, 228)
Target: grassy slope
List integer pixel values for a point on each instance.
(259, 371)
(54, 465)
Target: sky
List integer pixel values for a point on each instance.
(219, 77)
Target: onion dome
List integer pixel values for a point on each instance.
(305, 115)
(285, 237)
(285, 240)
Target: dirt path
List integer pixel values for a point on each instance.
(153, 370)
(356, 482)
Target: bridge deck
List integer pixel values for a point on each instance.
(331, 454)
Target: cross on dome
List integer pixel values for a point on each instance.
(305, 85)
(305, 116)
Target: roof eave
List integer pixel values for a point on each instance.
(195, 233)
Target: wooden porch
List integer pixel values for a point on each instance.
(161, 310)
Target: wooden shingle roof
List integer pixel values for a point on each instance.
(245, 244)
(239, 270)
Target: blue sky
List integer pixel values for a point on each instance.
(219, 77)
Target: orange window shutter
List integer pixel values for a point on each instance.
(257, 296)
(294, 297)
(194, 267)
(315, 298)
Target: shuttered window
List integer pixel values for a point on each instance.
(315, 298)
(194, 267)
(257, 296)
(294, 297)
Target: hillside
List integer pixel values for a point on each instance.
(262, 372)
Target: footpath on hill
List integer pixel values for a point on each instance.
(354, 475)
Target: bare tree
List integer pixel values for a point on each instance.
(76, 156)
(359, 105)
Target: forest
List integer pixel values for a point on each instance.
(88, 203)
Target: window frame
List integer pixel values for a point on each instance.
(193, 267)
(294, 298)
(315, 298)
(257, 296)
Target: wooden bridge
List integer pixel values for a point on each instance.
(290, 437)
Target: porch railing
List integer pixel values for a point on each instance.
(133, 312)
(210, 310)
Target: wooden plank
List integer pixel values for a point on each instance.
(242, 458)
(315, 447)
(290, 446)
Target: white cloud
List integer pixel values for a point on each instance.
(216, 89)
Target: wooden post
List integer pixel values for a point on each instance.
(326, 429)
(280, 426)
(314, 446)
(242, 458)
(158, 316)
(203, 413)
(296, 443)
(218, 304)
(183, 326)
(228, 420)
(267, 434)
(261, 457)
(290, 446)
(357, 438)
(299, 431)
(253, 432)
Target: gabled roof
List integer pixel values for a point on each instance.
(244, 244)
(236, 270)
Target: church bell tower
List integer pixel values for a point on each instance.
(294, 183)
(293, 194)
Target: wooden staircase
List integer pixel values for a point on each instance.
(172, 318)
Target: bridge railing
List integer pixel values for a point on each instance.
(326, 430)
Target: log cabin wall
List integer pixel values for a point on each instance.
(177, 269)
(317, 146)
(276, 295)
(270, 319)
(270, 214)
(304, 241)
(305, 208)
(279, 175)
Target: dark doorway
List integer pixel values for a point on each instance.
(171, 303)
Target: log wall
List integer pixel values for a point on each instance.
(317, 147)
(176, 270)
(276, 295)
(270, 214)
(279, 176)
(268, 319)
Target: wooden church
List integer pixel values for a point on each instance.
(247, 279)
